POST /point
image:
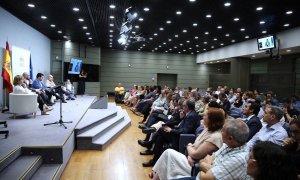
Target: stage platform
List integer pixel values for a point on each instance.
(46, 149)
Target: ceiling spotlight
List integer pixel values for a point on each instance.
(212, 47)
(111, 17)
(225, 60)
(184, 30)
(242, 29)
(137, 27)
(52, 25)
(289, 12)
(236, 19)
(176, 35)
(111, 35)
(175, 47)
(75, 9)
(205, 42)
(141, 19)
(187, 41)
(164, 43)
(59, 32)
(259, 8)
(178, 12)
(44, 17)
(84, 27)
(219, 27)
(184, 50)
(179, 52)
(208, 16)
(215, 39)
(170, 40)
(90, 38)
(204, 49)
(110, 40)
(181, 44)
(206, 33)
(146, 9)
(151, 38)
(190, 48)
(111, 31)
(227, 4)
(192, 0)
(222, 44)
(195, 24)
(264, 32)
(161, 29)
(227, 35)
(168, 22)
(286, 25)
(233, 40)
(166, 51)
(262, 22)
(111, 25)
(196, 37)
(155, 34)
(246, 37)
(31, 5)
(112, 6)
(80, 20)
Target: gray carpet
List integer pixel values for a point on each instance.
(29, 131)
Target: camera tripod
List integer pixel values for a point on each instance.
(60, 121)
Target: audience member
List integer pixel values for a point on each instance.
(251, 110)
(273, 131)
(119, 93)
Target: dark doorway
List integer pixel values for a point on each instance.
(167, 79)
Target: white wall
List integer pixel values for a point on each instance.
(289, 38)
(19, 34)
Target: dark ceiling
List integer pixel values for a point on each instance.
(202, 33)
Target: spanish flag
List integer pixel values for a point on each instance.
(6, 71)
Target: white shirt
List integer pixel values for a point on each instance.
(21, 90)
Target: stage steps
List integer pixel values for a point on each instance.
(22, 168)
(96, 134)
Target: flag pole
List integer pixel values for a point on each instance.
(5, 108)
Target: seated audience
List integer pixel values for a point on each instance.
(20, 88)
(119, 93)
(251, 110)
(292, 144)
(39, 85)
(289, 110)
(269, 161)
(69, 90)
(273, 130)
(166, 134)
(50, 85)
(173, 164)
(230, 161)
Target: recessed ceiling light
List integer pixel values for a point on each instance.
(212, 47)
(242, 29)
(188, 41)
(264, 32)
(195, 24)
(59, 32)
(80, 19)
(52, 25)
(246, 37)
(197, 51)
(205, 42)
(112, 6)
(178, 12)
(111, 31)
(75, 9)
(289, 12)
(184, 30)
(286, 25)
(192, 0)
(151, 38)
(110, 40)
(181, 44)
(259, 8)
(262, 22)
(179, 52)
(227, 4)
(146, 9)
(206, 33)
(155, 34)
(155, 48)
(175, 47)
(168, 22)
(192, 53)
(111, 25)
(141, 19)
(137, 27)
(170, 40)
(233, 40)
(219, 27)
(164, 43)
(197, 45)
(196, 37)
(166, 51)
(170, 49)
(84, 27)
(44, 17)
(111, 17)
(215, 39)
(111, 35)
(176, 35)
(227, 35)
(208, 16)
(110, 43)
(31, 5)
(184, 50)
(253, 56)
(288, 50)
(204, 49)
(161, 29)
(65, 37)
(222, 44)
(190, 48)
(133, 32)
(236, 19)
(218, 61)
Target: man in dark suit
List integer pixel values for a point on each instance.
(188, 125)
(251, 110)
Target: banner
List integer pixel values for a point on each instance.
(6, 70)
(20, 61)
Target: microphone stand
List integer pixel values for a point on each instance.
(60, 121)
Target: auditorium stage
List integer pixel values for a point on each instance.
(29, 131)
